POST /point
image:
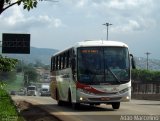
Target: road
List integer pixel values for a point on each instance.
(133, 111)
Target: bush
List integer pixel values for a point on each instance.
(145, 75)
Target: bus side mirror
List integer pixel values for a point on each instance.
(133, 63)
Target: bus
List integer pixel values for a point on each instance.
(92, 72)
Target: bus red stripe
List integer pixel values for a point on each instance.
(88, 88)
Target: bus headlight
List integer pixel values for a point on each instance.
(127, 97)
(81, 98)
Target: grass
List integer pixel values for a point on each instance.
(8, 111)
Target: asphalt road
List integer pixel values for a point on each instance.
(136, 110)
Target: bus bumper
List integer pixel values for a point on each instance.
(94, 98)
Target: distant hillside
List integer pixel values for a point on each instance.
(36, 54)
(44, 55)
(153, 64)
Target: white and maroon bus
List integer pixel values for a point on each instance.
(92, 72)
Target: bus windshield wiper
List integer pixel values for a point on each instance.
(114, 75)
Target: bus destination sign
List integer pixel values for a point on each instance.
(90, 51)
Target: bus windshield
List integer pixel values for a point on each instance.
(98, 65)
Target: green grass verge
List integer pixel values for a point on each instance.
(8, 111)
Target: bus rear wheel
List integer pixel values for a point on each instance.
(116, 105)
(69, 98)
(74, 105)
(59, 102)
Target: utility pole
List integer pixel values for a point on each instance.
(107, 24)
(147, 53)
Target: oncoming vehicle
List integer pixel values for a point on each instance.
(44, 91)
(31, 90)
(92, 72)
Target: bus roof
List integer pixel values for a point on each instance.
(87, 43)
(90, 43)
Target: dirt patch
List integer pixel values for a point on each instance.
(33, 113)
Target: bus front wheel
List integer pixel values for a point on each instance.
(75, 106)
(69, 98)
(115, 105)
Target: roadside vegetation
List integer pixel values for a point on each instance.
(12, 82)
(16, 84)
(8, 110)
(12, 78)
(145, 75)
(20, 76)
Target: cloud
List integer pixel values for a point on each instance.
(17, 20)
(127, 15)
(81, 3)
(137, 24)
(126, 4)
(45, 20)
(132, 25)
(121, 4)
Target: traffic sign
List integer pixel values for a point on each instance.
(15, 43)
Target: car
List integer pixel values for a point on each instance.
(13, 92)
(21, 92)
(44, 91)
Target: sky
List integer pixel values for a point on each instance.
(58, 25)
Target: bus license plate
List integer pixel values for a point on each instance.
(105, 98)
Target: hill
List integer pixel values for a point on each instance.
(36, 54)
(43, 55)
(153, 64)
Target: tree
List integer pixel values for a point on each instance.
(8, 76)
(30, 74)
(6, 65)
(27, 4)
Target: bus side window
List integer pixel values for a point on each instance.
(53, 64)
(61, 61)
(65, 60)
(73, 60)
(57, 62)
(73, 63)
(67, 64)
(71, 57)
(63, 66)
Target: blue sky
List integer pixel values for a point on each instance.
(61, 24)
